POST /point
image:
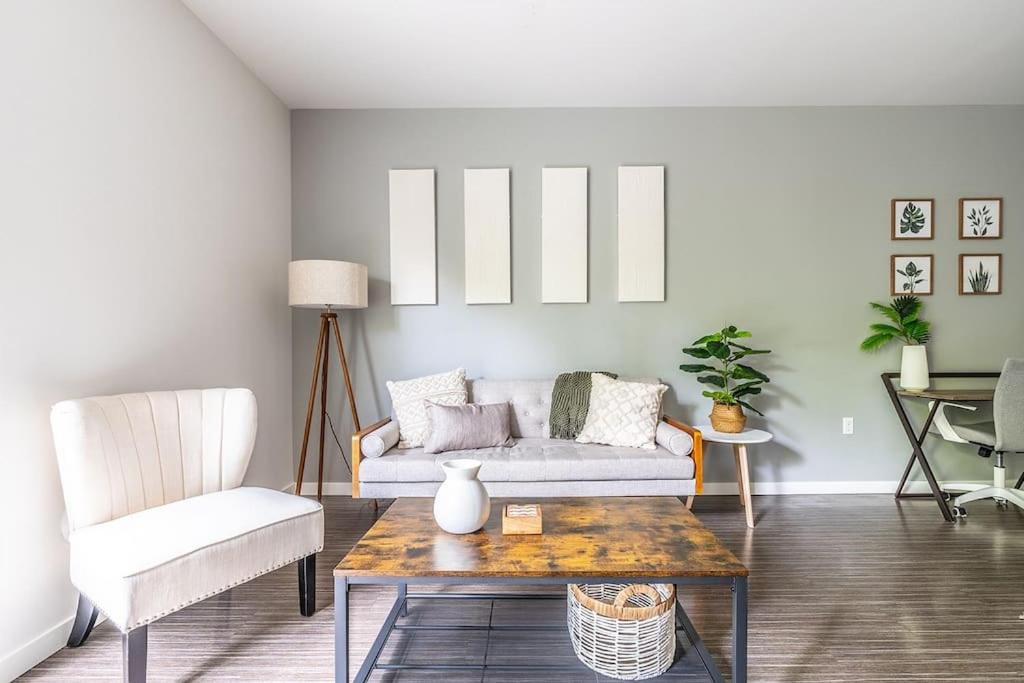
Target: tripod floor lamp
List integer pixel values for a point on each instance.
(326, 285)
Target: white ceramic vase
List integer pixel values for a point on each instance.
(914, 368)
(461, 505)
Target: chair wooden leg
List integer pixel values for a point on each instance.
(307, 585)
(133, 645)
(85, 619)
(689, 502)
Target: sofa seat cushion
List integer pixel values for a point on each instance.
(534, 459)
(142, 566)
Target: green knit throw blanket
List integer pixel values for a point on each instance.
(570, 402)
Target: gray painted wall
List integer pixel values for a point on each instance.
(777, 220)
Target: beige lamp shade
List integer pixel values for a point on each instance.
(316, 284)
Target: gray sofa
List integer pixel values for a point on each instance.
(536, 466)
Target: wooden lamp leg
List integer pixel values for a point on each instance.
(321, 366)
(344, 372)
(309, 407)
(323, 408)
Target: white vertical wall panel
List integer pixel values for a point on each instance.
(564, 235)
(488, 238)
(413, 236)
(641, 233)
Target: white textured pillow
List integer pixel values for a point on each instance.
(622, 413)
(408, 399)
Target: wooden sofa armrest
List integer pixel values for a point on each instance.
(698, 449)
(357, 451)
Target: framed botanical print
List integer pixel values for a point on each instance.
(981, 219)
(912, 219)
(911, 274)
(981, 274)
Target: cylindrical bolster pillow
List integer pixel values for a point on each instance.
(674, 440)
(379, 441)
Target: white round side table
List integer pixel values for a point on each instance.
(739, 448)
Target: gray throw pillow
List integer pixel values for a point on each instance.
(474, 425)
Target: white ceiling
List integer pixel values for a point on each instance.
(542, 53)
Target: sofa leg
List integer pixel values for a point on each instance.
(689, 502)
(307, 585)
(85, 619)
(133, 644)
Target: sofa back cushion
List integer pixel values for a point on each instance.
(530, 400)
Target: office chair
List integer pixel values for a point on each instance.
(1003, 434)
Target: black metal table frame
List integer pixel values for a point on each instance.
(738, 586)
(917, 440)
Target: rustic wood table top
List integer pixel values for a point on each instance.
(951, 394)
(583, 537)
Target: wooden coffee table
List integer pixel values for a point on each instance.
(585, 540)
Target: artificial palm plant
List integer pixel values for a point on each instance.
(904, 324)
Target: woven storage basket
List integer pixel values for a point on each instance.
(623, 631)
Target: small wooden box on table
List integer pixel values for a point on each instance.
(585, 540)
(522, 519)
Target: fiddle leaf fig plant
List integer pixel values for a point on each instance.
(904, 324)
(730, 380)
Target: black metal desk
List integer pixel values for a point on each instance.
(938, 397)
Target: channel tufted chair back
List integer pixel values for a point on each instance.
(123, 454)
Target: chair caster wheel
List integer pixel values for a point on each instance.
(959, 512)
(1002, 503)
(946, 496)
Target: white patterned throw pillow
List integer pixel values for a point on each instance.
(408, 400)
(622, 413)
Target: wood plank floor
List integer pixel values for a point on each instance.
(842, 589)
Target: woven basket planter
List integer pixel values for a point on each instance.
(623, 631)
(727, 419)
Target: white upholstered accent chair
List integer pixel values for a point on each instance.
(158, 515)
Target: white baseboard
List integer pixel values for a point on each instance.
(31, 653)
(803, 488)
(720, 488)
(44, 645)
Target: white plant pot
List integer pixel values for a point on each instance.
(461, 505)
(914, 368)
